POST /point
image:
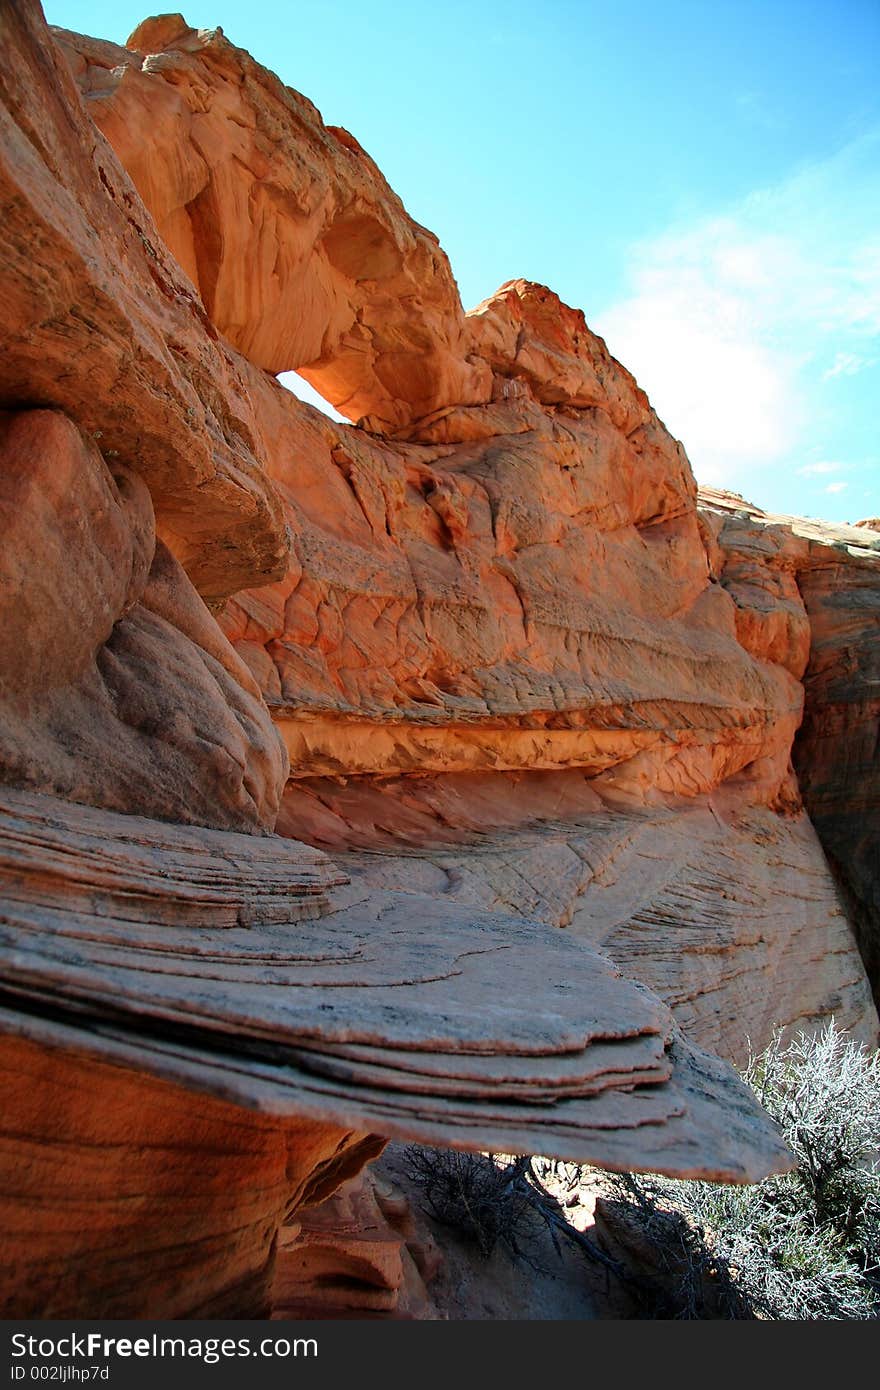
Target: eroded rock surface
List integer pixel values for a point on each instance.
(169, 1206)
(725, 909)
(359, 1254)
(101, 322)
(523, 582)
(537, 707)
(304, 257)
(117, 687)
(539, 597)
(837, 572)
(363, 1020)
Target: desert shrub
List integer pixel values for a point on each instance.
(494, 1200)
(805, 1245)
(487, 1201)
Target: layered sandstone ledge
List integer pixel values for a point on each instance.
(179, 1005)
(480, 647)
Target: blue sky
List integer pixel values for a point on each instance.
(703, 179)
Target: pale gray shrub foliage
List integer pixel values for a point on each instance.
(805, 1245)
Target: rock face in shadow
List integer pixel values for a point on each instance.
(359, 1254)
(170, 1206)
(481, 648)
(836, 752)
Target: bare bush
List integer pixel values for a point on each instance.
(488, 1202)
(498, 1199)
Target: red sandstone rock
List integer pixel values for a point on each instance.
(705, 901)
(508, 604)
(537, 599)
(837, 572)
(99, 321)
(758, 566)
(356, 1255)
(116, 685)
(527, 335)
(526, 586)
(836, 750)
(304, 257)
(361, 1021)
(123, 1195)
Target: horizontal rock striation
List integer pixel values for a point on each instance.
(837, 572)
(723, 908)
(537, 597)
(360, 1020)
(481, 647)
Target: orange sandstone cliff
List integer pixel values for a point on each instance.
(428, 776)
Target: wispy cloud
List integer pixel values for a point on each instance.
(744, 327)
(848, 364)
(836, 487)
(811, 470)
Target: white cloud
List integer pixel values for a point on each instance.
(836, 487)
(848, 364)
(823, 466)
(733, 323)
(693, 347)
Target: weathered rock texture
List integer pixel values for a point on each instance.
(725, 909)
(527, 584)
(101, 322)
(360, 1019)
(359, 1254)
(163, 1020)
(304, 257)
(483, 648)
(837, 752)
(116, 685)
(539, 597)
(125, 1193)
(830, 576)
